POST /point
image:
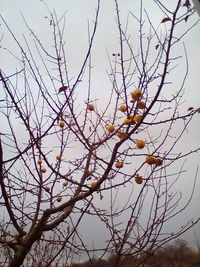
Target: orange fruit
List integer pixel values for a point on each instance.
(150, 160)
(93, 184)
(58, 157)
(159, 162)
(59, 199)
(139, 179)
(65, 183)
(90, 107)
(119, 164)
(137, 118)
(136, 94)
(123, 108)
(47, 189)
(43, 170)
(131, 117)
(39, 161)
(140, 143)
(62, 124)
(110, 128)
(128, 121)
(141, 105)
(120, 134)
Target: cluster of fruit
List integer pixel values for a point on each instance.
(154, 160)
(43, 170)
(59, 198)
(90, 107)
(131, 119)
(149, 160)
(136, 96)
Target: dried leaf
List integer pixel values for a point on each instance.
(186, 18)
(62, 89)
(187, 4)
(190, 108)
(165, 20)
(157, 46)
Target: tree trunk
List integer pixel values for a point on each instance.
(21, 250)
(19, 256)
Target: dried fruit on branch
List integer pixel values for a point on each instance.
(165, 20)
(110, 128)
(123, 108)
(150, 160)
(140, 143)
(136, 94)
(139, 179)
(62, 89)
(90, 107)
(119, 164)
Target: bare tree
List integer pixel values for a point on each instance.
(65, 154)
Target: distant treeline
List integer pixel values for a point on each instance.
(178, 254)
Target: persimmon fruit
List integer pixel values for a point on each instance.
(150, 160)
(43, 170)
(90, 107)
(140, 143)
(136, 94)
(137, 118)
(123, 108)
(139, 179)
(58, 157)
(39, 161)
(110, 128)
(62, 124)
(119, 164)
(141, 105)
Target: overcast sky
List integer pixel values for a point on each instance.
(78, 13)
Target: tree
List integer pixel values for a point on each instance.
(68, 156)
(176, 254)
